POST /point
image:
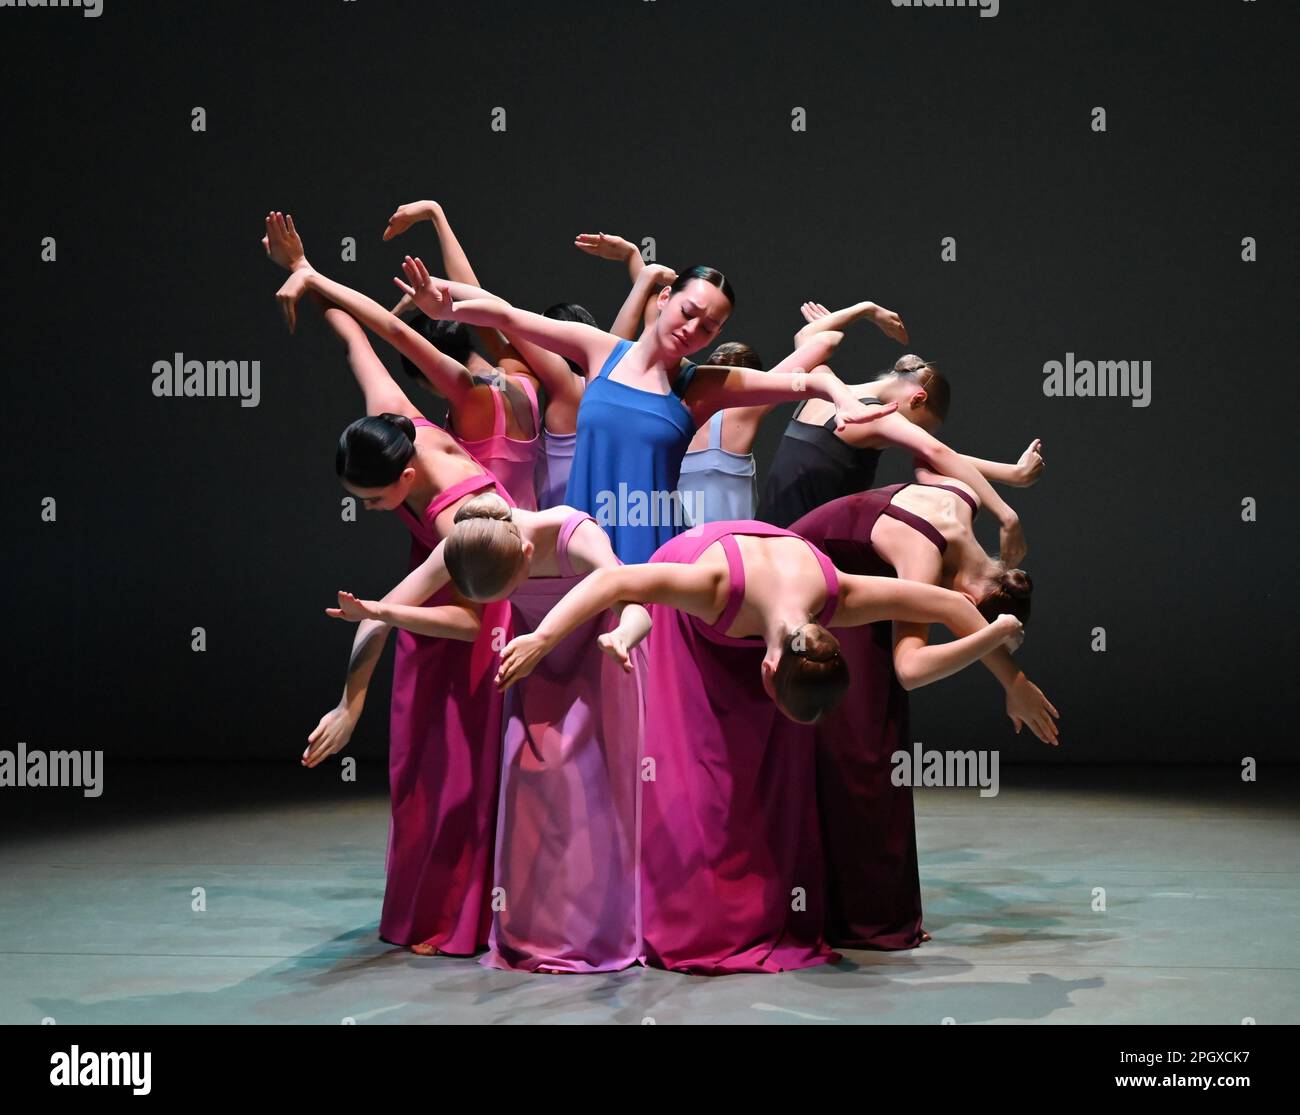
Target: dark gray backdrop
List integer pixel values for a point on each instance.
(647, 118)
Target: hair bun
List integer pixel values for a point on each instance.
(485, 505)
(813, 643)
(1017, 583)
(402, 422)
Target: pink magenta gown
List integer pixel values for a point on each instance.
(868, 826)
(566, 848)
(512, 461)
(730, 853)
(443, 767)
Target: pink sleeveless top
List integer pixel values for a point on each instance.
(422, 528)
(511, 461)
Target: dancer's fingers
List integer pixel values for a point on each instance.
(403, 287)
(288, 220)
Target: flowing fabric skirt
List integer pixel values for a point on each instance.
(566, 865)
(730, 852)
(868, 824)
(444, 766)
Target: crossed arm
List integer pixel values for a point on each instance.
(513, 353)
(918, 663)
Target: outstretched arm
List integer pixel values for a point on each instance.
(402, 607)
(898, 431)
(284, 246)
(382, 395)
(449, 377)
(1022, 474)
(335, 728)
(611, 247)
(455, 263)
(572, 339)
(451, 621)
(865, 600)
(820, 319)
(589, 549)
(918, 663)
(716, 388)
(692, 588)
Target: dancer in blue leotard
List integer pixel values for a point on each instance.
(629, 453)
(644, 399)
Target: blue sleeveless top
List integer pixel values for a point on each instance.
(628, 459)
(717, 486)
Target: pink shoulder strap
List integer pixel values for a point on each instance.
(736, 586)
(531, 392)
(498, 413)
(468, 486)
(562, 542)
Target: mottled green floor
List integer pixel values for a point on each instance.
(1201, 874)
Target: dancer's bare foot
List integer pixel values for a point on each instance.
(282, 242)
(425, 948)
(925, 937)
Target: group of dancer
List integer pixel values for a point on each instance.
(634, 718)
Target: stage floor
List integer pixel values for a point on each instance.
(1201, 875)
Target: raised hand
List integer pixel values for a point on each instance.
(352, 609)
(889, 323)
(812, 311)
(413, 212)
(1026, 705)
(433, 296)
(851, 413)
(659, 275)
(330, 735)
(605, 246)
(1031, 464)
(295, 286)
(282, 242)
